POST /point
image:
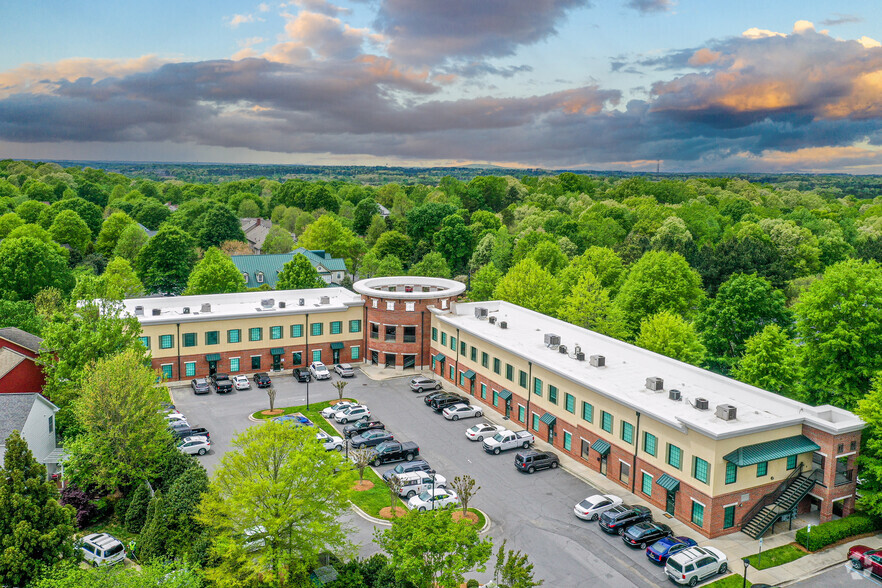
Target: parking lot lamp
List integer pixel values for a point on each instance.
(746, 561)
(346, 445)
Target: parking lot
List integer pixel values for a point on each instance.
(533, 512)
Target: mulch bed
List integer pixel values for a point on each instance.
(469, 516)
(386, 513)
(363, 485)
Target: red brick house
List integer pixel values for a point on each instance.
(19, 371)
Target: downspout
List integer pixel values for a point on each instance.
(422, 334)
(634, 458)
(306, 353)
(364, 332)
(529, 379)
(456, 369)
(178, 346)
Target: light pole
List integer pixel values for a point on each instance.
(746, 561)
(308, 378)
(346, 445)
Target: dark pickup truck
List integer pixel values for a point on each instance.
(222, 383)
(194, 432)
(389, 451)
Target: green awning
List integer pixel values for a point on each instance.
(549, 419)
(277, 351)
(336, 346)
(505, 394)
(777, 449)
(470, 374)
(669, 483)
(212, 357)
(439, 357)
(601, 447)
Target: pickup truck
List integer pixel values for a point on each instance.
(505, 440)
(389, 451)
(222, 383)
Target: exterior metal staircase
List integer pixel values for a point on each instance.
(781, 501)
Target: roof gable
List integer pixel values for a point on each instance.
(21, 338)
(9, 360)
(14, 411)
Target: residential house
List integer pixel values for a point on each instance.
(256, 230)
(19, 371)
(34, 417)
(265, 269)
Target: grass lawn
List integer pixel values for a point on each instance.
(371, 501)
(313, 414)
(730, 581)
(776, 557)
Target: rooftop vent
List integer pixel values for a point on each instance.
(186, 310)
(267, 303)
(580, 356)
(139, 311)
(552, 340)
(562, 349)
(492, 320)
(675, 395)
(726, 412)
(701, 403)
(577, 348)
(301, 302)
(325, 300)
(156, 312)
(503, 324)
(655, 384)
(206, 307)
(480, 312)
(282, 304)
(597, 360)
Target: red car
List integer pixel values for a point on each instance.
(864, 558)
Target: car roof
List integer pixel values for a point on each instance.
(693, 553)
(101, 539)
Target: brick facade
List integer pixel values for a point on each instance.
(835, 447)
(400, 317)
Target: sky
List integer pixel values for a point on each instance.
(686, 85)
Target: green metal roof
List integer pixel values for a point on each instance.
(669, 483)
(470, 374)
(440, 357)
(336, 345)
(212, 357)
(549, 419)
(777, 449)
(277, 351)
(601, 447)
(505, 394)
(271, 265)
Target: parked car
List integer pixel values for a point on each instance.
(461, 411)
(865, 558)
(194, 445)
(294, 419)
(665, 547)
(166, 407)
(530, 461)
(301, 374)
(420, 384)
(442, 402)
(319, 371)
(389, 451)
(371, 438)
(413, 483)
(417, 465)
(178, 425)
(353, 413)
(505, 440)
(241, 383)
(478, 432)
(619, 518)
(191, 432)
(433, 499)
(331, 442)
(200, 386)
(592, 507)
(428, 398)
(102, 549)
(222, 383)
(344, 370)
(262, 380)
(174, 417)
(350, 431)
(645, 533)
(335, 408)
(695, 564)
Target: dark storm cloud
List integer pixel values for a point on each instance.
(650, 5)
(839, 19)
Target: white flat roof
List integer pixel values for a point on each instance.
(436, 287)
(623, 379)
(171, 309)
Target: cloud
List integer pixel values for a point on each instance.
(704, 56)
(240, 19)
(869, 43)
(646, 6)
(263, 7)
(320, 6)
(839, 19)
(755, 33)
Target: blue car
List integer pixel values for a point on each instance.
(293, 420)
(661, 550)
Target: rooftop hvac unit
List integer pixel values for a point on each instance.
(701, 403)
(282, 304)
(552, 340)
(480, 312)
(675, 395)
(206, 307)
(577, 348)
(580, 356)
(597, 360)
(139, 311)
(156, 312)
(325, 300)
(301, 302)
(503, 324)
(492, 320)
(726, 412)
(562, 349)
(267, 302)
(186, 310)
(655, 384)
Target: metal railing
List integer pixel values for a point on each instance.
(772, 496)
(844, 477)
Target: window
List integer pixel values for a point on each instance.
(167, 371)
(166, 341)
(296, 358)
(375, 331)
(586, 449)
(509, 372)
(255, 362)
(624, 472)
(145, 341)
(646, 484)
(535, 422)
(355, 352)
(537, 386)
(587, 412)
(255, 334)
(650, 442)
(316, 355)
(410, 334)
(275, 332)
(700, 469)
(434, 334)
(463, 348)
(570, 403)
(390, 305)
(336, 327)
(853, 446)
(568, 440)
(840, 448)
(731, 472)
(234, 364)
(495, 398)
(729, 516)
(522, 378)
(190, 369)
(355, 326)
(552, 394)
(234, 335)
(462, 379)
(453, 343)
(627, 432)
(606, 421)
(762, 468)
(409, 306)
(212, 337)
(485, 359)
(374, 302)
(791, 462)
(484, 391)
(443, 339)
(675, 456)
(474, 355)
(698, 513)
(497, 365)
(189, 339)
(451, 373)
(260, 277)
(390, 333)
(51, 423)
(521, 413)
(296, 331)
(316, 329)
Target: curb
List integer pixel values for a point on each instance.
(368, 517)
(486, 526)
(812, 574)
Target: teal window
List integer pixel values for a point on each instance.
(453, 343)
(570, 403)
(255, 334)
(317, 354)
(568, 441)
(729, 517)
(646, 484)
(495, 398)
(166, 341)
(497, 365)
(552, 394)
(509, 372)
(606, 421)
(675, 456)
(255, 362)
(443, 338)
(275, 332)
(700, 469)
(537, 386)
(355, 351)
(190, 369)
(316, 329)
(355, 326)
(698, 513)
(587, 412)
(463, 348)
(627, 432)
(521, 413)
(731, 472)
(234, 335)
(167, 372)
(462, 378)
(791, 462)
(484, 391)
(296, 331)
(189, 340)
(336, 327)
(650, 442)
(535, 422)
(434, 334)
(212, 337)
(485, 360)
(522, 378)
(296, 358)
(145, 341)
(234, 364)
(451, 373)
(474, 355)
(762, 468)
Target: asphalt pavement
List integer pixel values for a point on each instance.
(839, 576)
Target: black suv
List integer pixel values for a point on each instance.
(301, 375)
(443, 402)
(200, 386)
(262, 380)
(191, 432)
(417, 465)
(619, 518)
(354, 429)
(645, 533)
(222, 383)
(428, 398)
(530, 461)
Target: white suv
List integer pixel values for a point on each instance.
(353, 413)
(319, 371)
(692, 565)
(412, 483)
(101, 549)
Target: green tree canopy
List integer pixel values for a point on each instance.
(669, 334)
(28, 266)
(131, 240)
(21, 315)
(111, 230)
(364, 212)
(165, 262)
(603, 262)
(165, 575)
(119, 280)
(389, 266)
(772, 362)
(426, 219)
(393, 243)
(299, 274)
(69, 229)
(432, 265)
(216, 226)
(9, 222)
(171, 531)
(329, 235)
(90, 213)
(530, 286)
(549, 256)
(484, 281)
(454, 241)
(30, 210)
(588, 305)
(152, 214)
(870, 460)
(278, 240)
(215, 273)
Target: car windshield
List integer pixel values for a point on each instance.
(425, 496)
(113, 550)
(674, 565)
(497, 437)
(587, 504)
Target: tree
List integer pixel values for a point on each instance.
(278, 240)
(215, 273)
(329, 235)
(111, 231)
(88, 212)
(465, 488)
(361, 459)
(389, 266)
(279, 480)
(549, 256)
(166, 575)
(299, 274)
(271, 394)
(870, 460)
(216, 226)
(248, 209)
(119, 280)
(28, 266)
(588, 305)
(340, 385)
(513, 570)
(530, 286)
(394, 486)
(136, 514)
(426, 219)
(35, 530)
(771, 361)
(364, 212)
(165, 262)
(21, 315)
(393, 243)
(431, 549)
(669, 334)
(152, 214)
(9, 222)
(171, 530)
(454, 241)
(131, 240)
(236, 248)
(124, 435)
(432, 265)
(30, 210)
(484, 281)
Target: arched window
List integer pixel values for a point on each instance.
(260, 277)
(245, 275)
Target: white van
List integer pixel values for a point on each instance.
(413, 483)
(101, 549)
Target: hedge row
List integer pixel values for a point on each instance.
(828, 533)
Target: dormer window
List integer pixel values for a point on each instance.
(245, 275)
(259, 277)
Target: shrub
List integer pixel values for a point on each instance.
(472, 583)
(829, 533)
(82, 501)
(137, 512)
